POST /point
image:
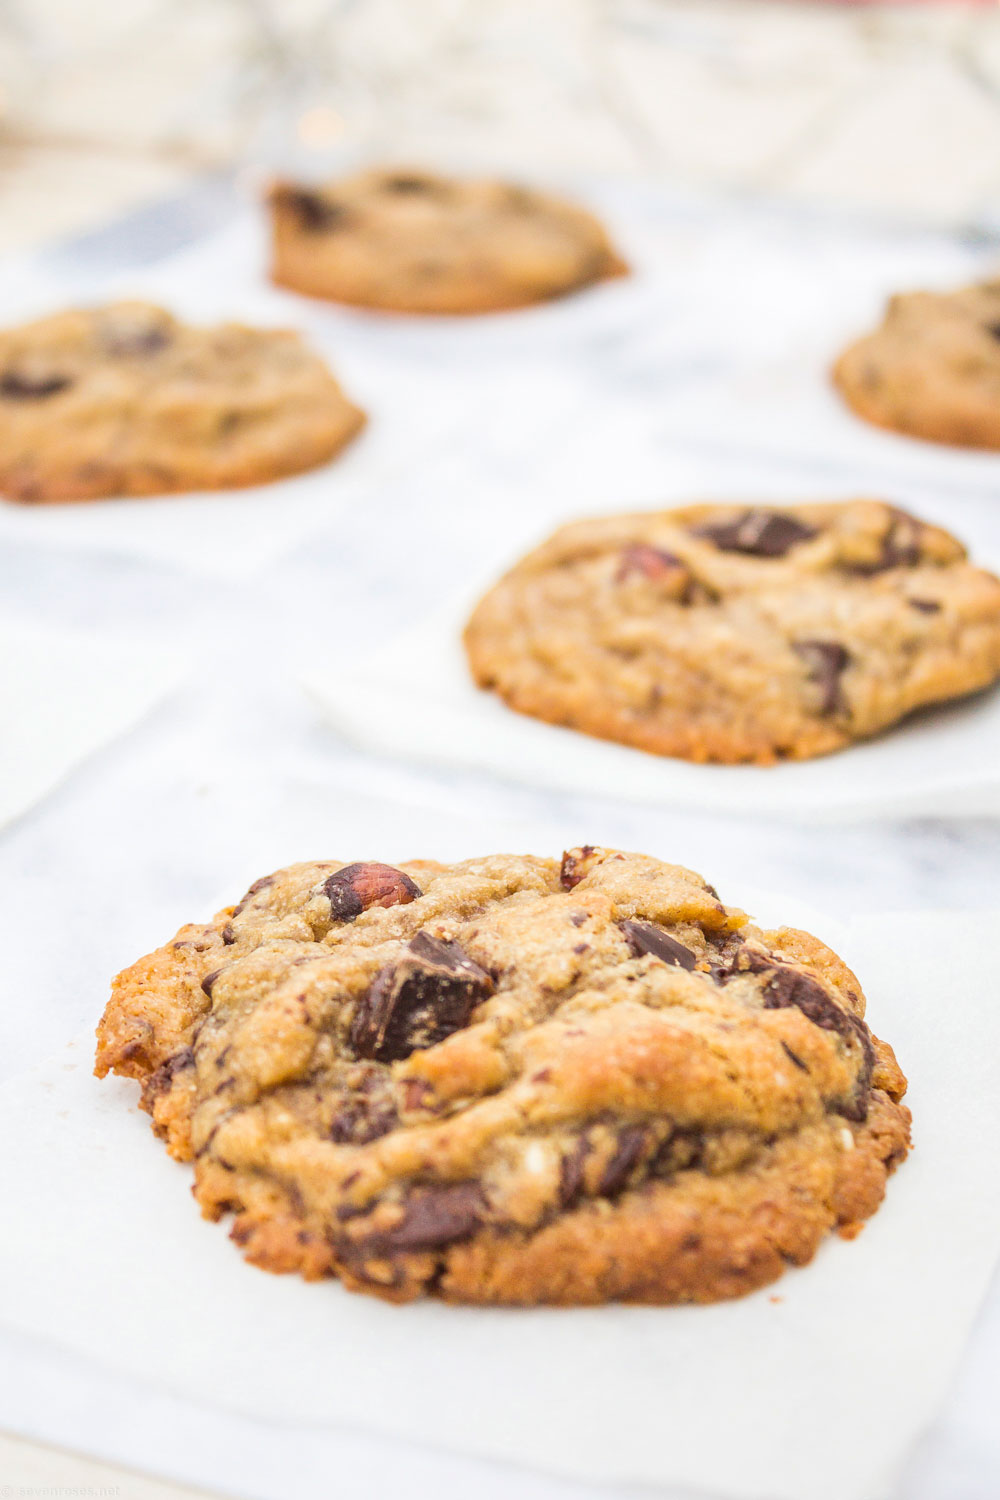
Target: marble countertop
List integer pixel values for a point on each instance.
(236, 773)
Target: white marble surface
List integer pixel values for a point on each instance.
(237, 774)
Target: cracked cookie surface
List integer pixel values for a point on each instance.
(418, 242)
(127, 400)
(932, 367)
(512, 1080)
(722, 633)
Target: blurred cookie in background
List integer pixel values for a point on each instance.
(932, 367)
(413, 241)
(721, 633)
(127, 400)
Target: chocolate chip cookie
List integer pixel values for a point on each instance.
(512, 1080)
(727, 633)
(932, 369)
(127, 400)
(416, 242)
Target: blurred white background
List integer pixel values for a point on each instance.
(886, 108)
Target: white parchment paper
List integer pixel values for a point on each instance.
(720, 339)
(414, 697)
(420, 380)
(812, 1390)
(63, 695)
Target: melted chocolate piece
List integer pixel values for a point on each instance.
(355, 888)
(362, 1120)
(648, 562)
(19, 387)
(681, 1149)
(162, 1078)
(570, 873)
(900, 546)
(826, 660)
(209, 981)
(418, 1000)
(631, 1144)
(794, 1057)
(646, 937)
(758, 533)
(571, 1172)
(139, 341)
(925, 606)
(434, 1217)
(228, 935)
(314, 212)
(402, 183)
(789, 986)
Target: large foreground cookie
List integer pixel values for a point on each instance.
(932, 369)
(126, 400)
(512, 1081)
(719, 633)
(416, 242)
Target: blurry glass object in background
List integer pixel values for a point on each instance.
(888, 108)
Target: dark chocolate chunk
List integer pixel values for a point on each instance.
(631, 1144)
(900, 545)
(417, 1094)
(362, 1120)
(648, 562)
(209, 980)
(758, 533)
(402, 183)
(789, 986)
(794, 1057)
(162, 1078)
(17, 386)
(570, 873)
(136, 341)
(681, 1150)
(434, 1217)
(571, 1172)
(314, 212)
(258, 885)
(646, 937)
(355, 888)
(925, 606)
(418, 1000)
(826, 660)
